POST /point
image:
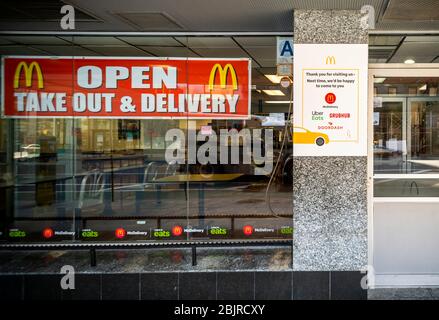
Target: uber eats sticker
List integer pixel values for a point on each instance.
(286, 230)
(161, 233)
(17, 233)
(89, 234)
(218, 231)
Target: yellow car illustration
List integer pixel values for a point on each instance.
(304, 136)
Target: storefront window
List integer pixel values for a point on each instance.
(79, 178)
(406, 137)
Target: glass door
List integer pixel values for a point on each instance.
(406, 137)
(423, 129)
(404, 149)
(390, 134)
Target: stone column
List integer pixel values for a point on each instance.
(330, 193)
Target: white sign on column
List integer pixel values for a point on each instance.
(330, 99)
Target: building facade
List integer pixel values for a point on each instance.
(169, 127)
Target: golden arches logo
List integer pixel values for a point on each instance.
(28, 71)
(330, 60)
(223, 76)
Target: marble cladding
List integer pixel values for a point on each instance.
(329, 26)
(330, 193)
(330, 213)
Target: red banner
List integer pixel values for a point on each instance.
(126, 87)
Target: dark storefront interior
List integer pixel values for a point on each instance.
(84, 179)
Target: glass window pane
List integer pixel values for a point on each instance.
(406, 137)
(39, 167)
(110, 179)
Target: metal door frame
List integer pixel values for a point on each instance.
(404, 119)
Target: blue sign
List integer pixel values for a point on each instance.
(285, 52)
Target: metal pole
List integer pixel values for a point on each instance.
(93, 257)
(194, 255)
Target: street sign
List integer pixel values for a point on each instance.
(285, 82)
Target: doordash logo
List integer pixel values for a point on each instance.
(28, 74)
(223, 76)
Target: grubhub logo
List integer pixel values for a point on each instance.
(28, 73)
(223, 76)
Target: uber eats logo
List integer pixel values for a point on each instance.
(16, 233)
(286, 230)
(88, 233)
(160, 233)
(317, 115)
(217, 231)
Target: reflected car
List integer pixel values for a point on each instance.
(32, 148)
(31, 151)
(383, 152)
(304, 136)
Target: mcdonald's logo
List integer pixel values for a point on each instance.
(248, 230)
(28, 72)
(223, 76)
(330, 60)
(120, 233)
(330, 98)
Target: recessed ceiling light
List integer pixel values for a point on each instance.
(409, 61)
(379, 80)
(274, 92)
(273, 78)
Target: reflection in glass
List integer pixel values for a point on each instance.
(406, 138)
(86, 179)
(388, 143)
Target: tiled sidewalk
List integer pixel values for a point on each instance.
(172, 261)
(404, 294)
(148, 260)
